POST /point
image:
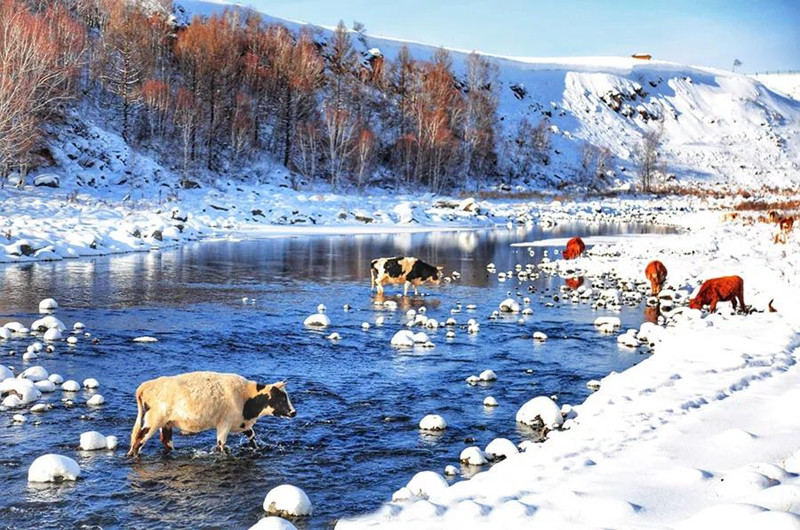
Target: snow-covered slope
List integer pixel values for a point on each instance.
(718, 125)
(788, 83)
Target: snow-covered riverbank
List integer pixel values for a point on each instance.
(702, 434)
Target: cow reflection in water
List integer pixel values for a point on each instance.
(574, 283)
(651, 313)
(406, 302)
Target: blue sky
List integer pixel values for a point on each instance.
(764, 35)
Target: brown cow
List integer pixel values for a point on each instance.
(656, 272)
(198, 401)
(785, 225)
(725, 289)
(575, 248)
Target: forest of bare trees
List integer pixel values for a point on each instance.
(225, 90)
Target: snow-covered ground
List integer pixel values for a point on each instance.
(701, 434)
(788, 83)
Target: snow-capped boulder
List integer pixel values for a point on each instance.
(451, 470)
(273, 523)
(473, 456)
(11, 401)
(5, 373)
(613, 322)
(92, 441)
(90, 383)
(143, 340)
(317, 320)
(490, 401)
(432, 422)
(35, 373)
(509, 305)
(111, 442)
(70, 386)
(47, 305)
(78, 326)
(48, 322)
(5, 333)
(52, 335)
(72, 341)
(53, 468)
(542, 410)
(403, 338)
(501, 448)
(488, 375)
(25, 390)
(55, 378)
(427, 483)
(45, 386)
(539, 336)
(287, 500)
(420, 337)
(96, 400)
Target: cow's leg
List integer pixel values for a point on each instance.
(712, 306)
(733, 303)
(380, 287)
(405, 288)
(740, 295)
(165, 434)
(372, 278)
(251, 437)
(144, 428)
(222, 437)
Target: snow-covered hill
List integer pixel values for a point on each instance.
(718, 126)
(788, 83)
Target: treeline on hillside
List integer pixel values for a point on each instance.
(227, 89)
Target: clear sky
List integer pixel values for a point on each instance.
(763, 34)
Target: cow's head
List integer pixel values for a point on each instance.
(269, 400)
(695, 303)
(437, 276)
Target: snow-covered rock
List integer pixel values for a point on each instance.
(317, 320)
(287, 500)
(427, 483)
(490, 401)
(540, 409)
(432, 422)
(35, 373)
(48, 304)
(52, 335)
(273, 523)
(473, 456)
(403, 338)
(91, 383)
(501, 448)
(509, 305)
(487, 375)
(96, 400)
(70, 386)
(92, 441)
(53, 468)
(144, 339)
(539, 336)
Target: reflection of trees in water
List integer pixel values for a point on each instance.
(201, 273)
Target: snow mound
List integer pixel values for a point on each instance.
(540, 410)
(287, 500)
(35, 373)
(432, 422)
(47, 305)
(273, 523)
(487, 375)
(144, 339)
(473, 456)
(509, 305)
(403, 338)
(426, 484)
(501, 448)
(93, 441)
(96, 400)
(317, 320)
(53, 468)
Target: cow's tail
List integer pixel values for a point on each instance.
(771, 307)
(136, 433)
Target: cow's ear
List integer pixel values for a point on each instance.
(440, 268)
(280, 385)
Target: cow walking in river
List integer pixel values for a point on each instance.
(403, 270)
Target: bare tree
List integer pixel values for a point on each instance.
(646, 155)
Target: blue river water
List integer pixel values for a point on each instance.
(355, 439)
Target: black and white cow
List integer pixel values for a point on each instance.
(406, 270)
